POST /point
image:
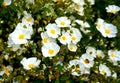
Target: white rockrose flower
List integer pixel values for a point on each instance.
(104, 70)
(6, 2)
(79, 2)
(72, 47)
(53, 30)
(112, 9)
(6, 70)
(30, 63)
(63, 22)
(50, 49)
(64, 38)
(100, 54)
(91, 51)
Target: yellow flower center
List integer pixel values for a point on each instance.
(62, 23)
(78, 3)
(86, 61)
(31, 65)
(28, 19)
(76, 68)
(103, 71)
(21, 36)
(74, 38)
(45, 40)
(51, 51)
(112, 55)
(98, 26)
(64, 38)
(7, 71)
(4, 4)
(71, 48)
(98, 55)
(107, 31)
(52, 31)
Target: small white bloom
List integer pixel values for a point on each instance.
(50, 49)
(74, 64)
(19, 37)
(27, 19)
(64, 38)
(100, 54)
(30, 1)
(6, 2)
(75, 35)
(104, 70)
(46, 39)
(63, 22)
(80, 22)
(91, 51)
(100, 24)
(114, 75)
(72, 47)
(114, 55)
(6, 70)
(109, 30)
(30, 63)
(87, 60)
(52, 30)
(92, 2)
(79, 2)
(112, 9)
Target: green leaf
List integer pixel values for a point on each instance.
(64, 78)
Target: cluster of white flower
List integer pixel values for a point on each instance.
(83, 64)
(22, 32)
(56, 30)
(106, 29)
(112, 9)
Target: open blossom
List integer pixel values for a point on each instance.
(72, 47)
(6, 70)
(6, 2)
(19, 37)
(65, 38)
(75, 35)
(53, 30)
(79, 2)
(50, 49)
(63, 22)
(30, 63)
(100, 54)
(27, 19)
(46, 39)
(104, 70)
(109, 30)
(91, 51)
(112, 9)
(87, 60)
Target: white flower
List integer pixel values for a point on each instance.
(92, 2)
(65, 38)
(109, 30)
(85, 27)
(100, 24)
(79, 2)
(80, 22)
(114, 75)
(6, 2)
(6, 70)
(112, 9)
(87, 60)
(72, 47)
(104, 70)
(75, 35)
(100, 54)
(25, 28)
(52, 30)
(62, 22)
(46, 39)
(50, 49)
(91, 51)
(74, 65)
(19, 37)
(79, 9)
(30, 63)
(30, 1)
(27, 19)
(114, 55)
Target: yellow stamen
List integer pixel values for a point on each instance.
(103, 71)
(62, 23)
(107, 31)
(86, 61)
(112, 55)
(21, 36)
(45, 40)
(7, 71)
(51, 51)
(31, 65)
(28, 19)
(52, 31)
(4, 4)
(74, 38)
(64, 38)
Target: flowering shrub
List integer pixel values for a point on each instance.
(59, 41)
